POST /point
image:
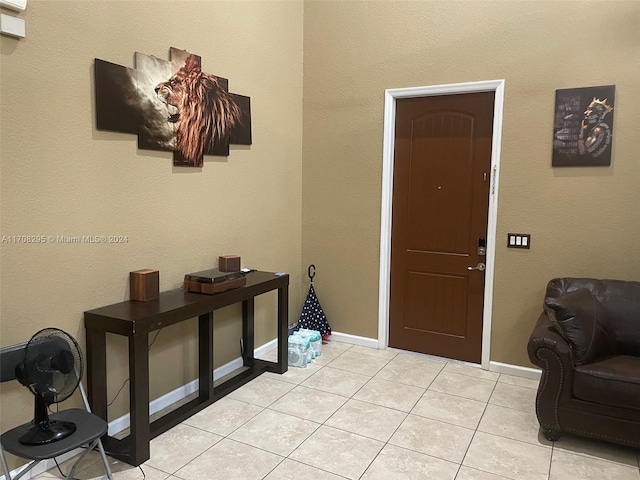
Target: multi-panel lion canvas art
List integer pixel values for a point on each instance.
(172, 105)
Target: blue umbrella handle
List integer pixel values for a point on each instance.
(310, 272)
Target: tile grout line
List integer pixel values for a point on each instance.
(553, 447)
(385, 443)
(352, 398)
(390, 436)
(228, 436)
(323, 424)
(405, 413)
(486, 404)
(402, 423)
(288, 457)
(408, 413)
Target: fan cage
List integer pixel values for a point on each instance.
(62, 385)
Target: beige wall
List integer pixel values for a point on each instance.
(60, 176)
(290, 199)
(583, 221)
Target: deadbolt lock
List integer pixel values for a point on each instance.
(482, 247)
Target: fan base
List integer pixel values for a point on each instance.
(47, 432)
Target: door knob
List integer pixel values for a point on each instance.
(481, 266)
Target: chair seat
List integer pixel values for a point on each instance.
(613, 381)
(89, 427)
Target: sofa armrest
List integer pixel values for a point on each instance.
(545, 335)
(551, 352)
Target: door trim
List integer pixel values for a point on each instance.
(391, 95)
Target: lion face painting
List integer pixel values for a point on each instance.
(172, 105)
(201, 111)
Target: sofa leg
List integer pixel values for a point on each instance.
(550, 434)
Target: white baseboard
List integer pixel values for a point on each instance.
(516, 370)
(119, 424)
(354, 339)
(506, 368)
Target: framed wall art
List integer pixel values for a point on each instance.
(583, 126)
(172, 105)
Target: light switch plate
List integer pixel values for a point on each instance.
(13, 26)
(17, 5)
(519, 240)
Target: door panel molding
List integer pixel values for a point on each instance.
(391, 95)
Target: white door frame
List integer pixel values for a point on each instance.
(391, 95)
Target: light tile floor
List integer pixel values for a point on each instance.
(360, 413)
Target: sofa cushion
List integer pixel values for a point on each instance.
(614, 381)
(583, 323)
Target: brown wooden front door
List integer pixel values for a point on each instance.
(440, 207)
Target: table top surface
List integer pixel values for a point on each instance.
(188, 304)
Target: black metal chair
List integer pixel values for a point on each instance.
(90, 427)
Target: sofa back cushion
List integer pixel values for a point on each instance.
(620, 301)
(584, 324)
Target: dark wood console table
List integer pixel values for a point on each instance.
(136, 320)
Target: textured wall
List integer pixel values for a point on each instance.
(61, 176)
(583, 221)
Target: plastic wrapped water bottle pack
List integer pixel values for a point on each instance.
(304, 346)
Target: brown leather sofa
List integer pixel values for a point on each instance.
(587, 342)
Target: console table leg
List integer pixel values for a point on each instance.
(139, 398)
(283, 329)
(248, 331)
(97, 372)
(205, 356)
